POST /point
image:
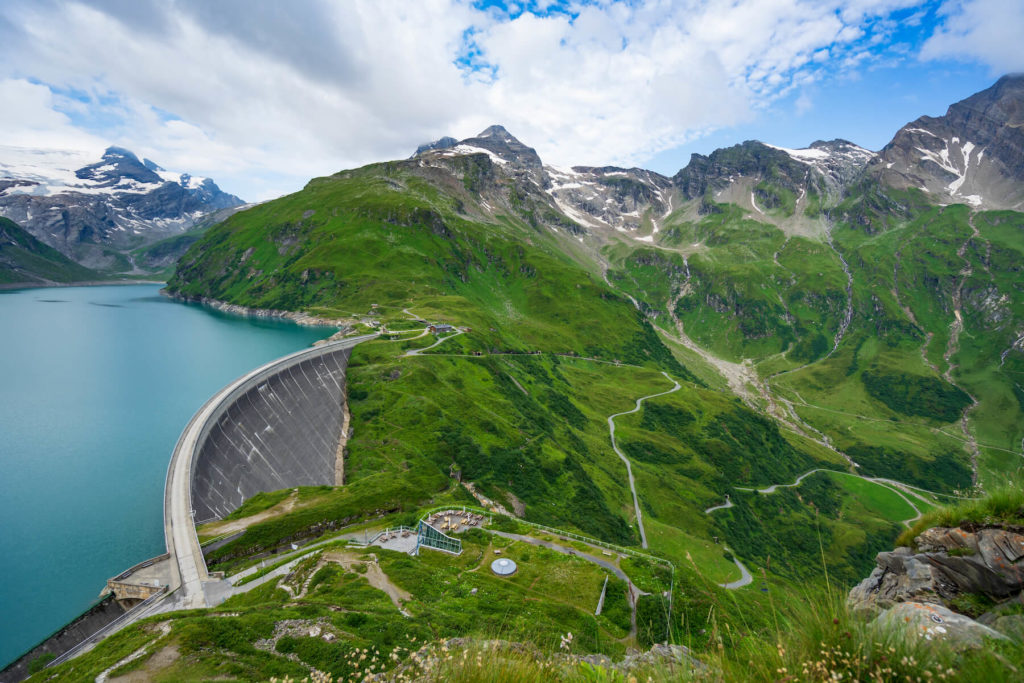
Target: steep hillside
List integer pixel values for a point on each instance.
(421, 234)
(465, 233)
(26, 260)
(876, 319)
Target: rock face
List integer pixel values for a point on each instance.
(612, 197)
(442, 143)
(501, 143)
(89, 210)
(986, 563)
(899, 576)
(974, 154)
(838, 161)
(948, 562)
(935, 622)
(752, 159)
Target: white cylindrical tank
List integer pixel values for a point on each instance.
(503, 567)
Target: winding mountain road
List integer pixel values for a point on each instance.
(724, 506)
(622, 456)
(416, 352)
(897, 487)
(745, 578)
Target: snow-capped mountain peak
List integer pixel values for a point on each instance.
(974, 154)
(838, 160)
(86, 202)
(500, 145)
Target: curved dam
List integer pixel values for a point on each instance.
(279, 426)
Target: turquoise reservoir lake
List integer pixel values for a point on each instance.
(96, 384)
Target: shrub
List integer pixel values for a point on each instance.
(916, 395)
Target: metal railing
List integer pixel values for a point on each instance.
(389, 530)
(124, 619)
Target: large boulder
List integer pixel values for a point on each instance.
(1012, 626)
(900, 576)
(935, 622)
(946, 563)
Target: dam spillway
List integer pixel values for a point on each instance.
(279, 428)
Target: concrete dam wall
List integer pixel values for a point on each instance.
(78, 629)
(281, 428)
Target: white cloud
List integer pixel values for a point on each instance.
(263, 96)
(989, 31)
(28, 118)
(803, 104)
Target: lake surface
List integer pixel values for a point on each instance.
(96, 384)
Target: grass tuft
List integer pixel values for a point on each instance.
(1004, 506)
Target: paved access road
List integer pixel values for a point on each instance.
(622, 456)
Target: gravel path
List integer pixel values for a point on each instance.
(724, 506)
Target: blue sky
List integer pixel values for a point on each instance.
(867, 110)
(263, 95)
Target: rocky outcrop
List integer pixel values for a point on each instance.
(660, 655)
(441, 143)
(947, 563)
(935, 622)
(624, 199)
(974, 154)
(752, 159)
(501, 143)
(945, 567)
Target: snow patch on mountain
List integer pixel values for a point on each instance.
(462, 150)
(807, 154)
(49, 172)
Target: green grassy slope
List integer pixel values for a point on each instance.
(385, 235)
(892, 394)
(529, 431)
(26, 260)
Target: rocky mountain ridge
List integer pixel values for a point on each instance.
(945, 157)
(974, 154)
(92, 211)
